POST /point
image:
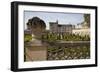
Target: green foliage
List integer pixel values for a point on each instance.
(27, 38)
(65, 37)
(72, 52)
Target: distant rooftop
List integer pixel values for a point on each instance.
(59, 24)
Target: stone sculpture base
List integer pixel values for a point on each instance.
(36, 53)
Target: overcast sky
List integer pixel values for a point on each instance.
(63, 18)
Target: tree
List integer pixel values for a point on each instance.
(87, 19)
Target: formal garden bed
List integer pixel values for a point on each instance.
(68, 53)
(65, 37)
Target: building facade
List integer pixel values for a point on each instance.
(55, 27)
(81, 29)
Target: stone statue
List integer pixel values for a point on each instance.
(36, 26)
(36, 50)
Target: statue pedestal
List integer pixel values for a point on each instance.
(36, 51)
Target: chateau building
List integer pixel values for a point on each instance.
(80, 29)
(55, 27)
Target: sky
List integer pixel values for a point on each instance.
(63, 18)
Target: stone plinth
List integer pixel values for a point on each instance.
(36, 52)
